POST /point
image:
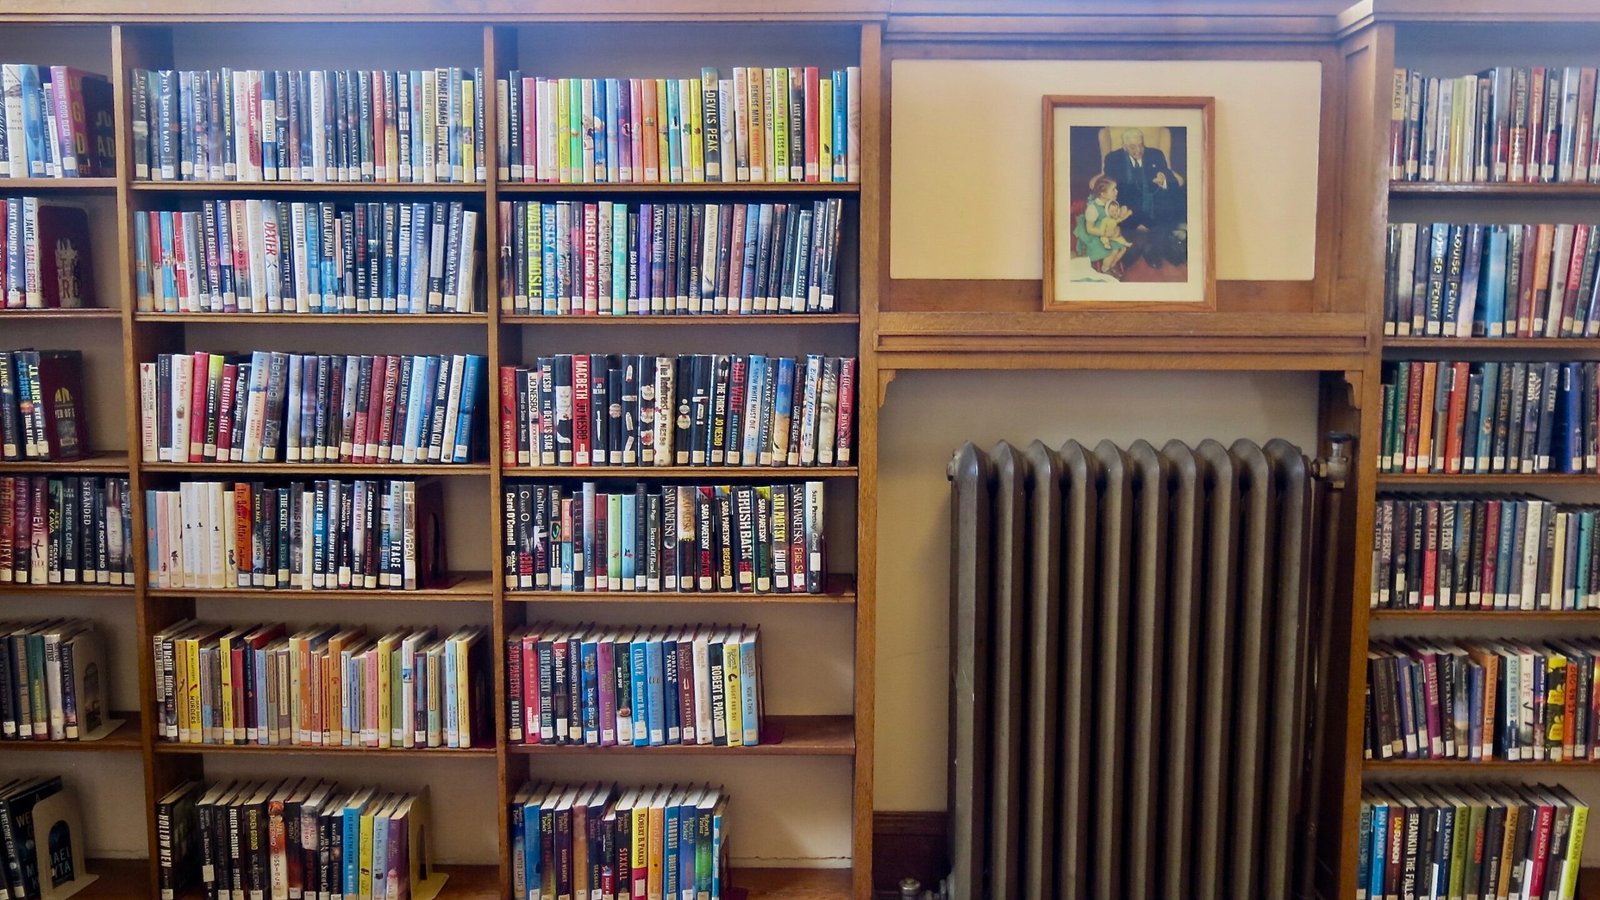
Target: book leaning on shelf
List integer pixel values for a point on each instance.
(591, 410)
(600, 840)
(42, 405)
(419, 126)
(1464, 552)
(65, 530)
(613, 258)
(601, 686)
(1490, 417)
(53, 680)
(1472, 280)
(266, 407)
(21, 801)
(1482, 700)
(323, 686)
(55, 122)
(678, 537)
(1494, 840)
(776, 124)
(45, 262)
(333, 534)
(271, 256)
(294, 837)
(1505, 124)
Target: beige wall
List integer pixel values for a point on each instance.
(966, 202)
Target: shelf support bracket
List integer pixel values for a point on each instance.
(1353, 379)
(885, 378)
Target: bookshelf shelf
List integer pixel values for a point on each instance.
(110, 463)
(342, 470)
(63, 315)
(461, 587)
(126, 739)
(80, 590)
(707, 187)
(1500, 190)
(55, 185)
(841, 589)
(1499, 481)
(1587, 616)
(796, 473)
(764, 320)
(464, 883)
(1485, 346)
(169, 749)
(1497, 766)
(792, 884)
(115, 878)
(301, 187)
(313, 319)
(782, 736)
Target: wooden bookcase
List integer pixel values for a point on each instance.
(815, 781)
(1379, 36)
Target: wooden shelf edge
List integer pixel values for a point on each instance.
(112, 463)
(307, 187)
(781, 736)
(1488, 344)
(1502, 480)
(596, 473)
(680, 187)
(56, 185)
(1438, 189)
(126, 738)
(458, 587)
(252, 318)
(174, 749)
(1457, 766)
(1484, 615)
(791, 884)
(353, 470)
(839, 589)
(91, 590)
(717, 319)
(97, 313)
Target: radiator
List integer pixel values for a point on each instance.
(1131, 663)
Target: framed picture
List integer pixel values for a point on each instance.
(1128, 204)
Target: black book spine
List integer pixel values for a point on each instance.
(629, 406)
(603, 434)
(700, 382)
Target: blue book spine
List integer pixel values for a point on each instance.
(1572, 450)
(619, 259)
(687, 817)
(841, 119)
(630, 524)
(641, 716)
(532, 850)
(750, 447)
(269, 133)
(141, 250)
(550, 283)
(656, 688)
(1585, 547)
(672, 683)
(585, 580)
(752, 239)
(152, 545)
(259, 676)
(1470, 312)
(783, 403)
(589, 686)
(675, 160)
(352, 851)
(1475, 711)
(457, 125)
(169, 273)
(451, 712)
(33, 120)
(603, 141)
(1493, 290)
(1380, 830)
(471, 389)
(716, 856)
(1510, 513)
(613, 106)
(749, 688)
(421, 234)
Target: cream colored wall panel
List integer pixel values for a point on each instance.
(929, 415)
(966, 190)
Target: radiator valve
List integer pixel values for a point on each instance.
(910, 889)
(1335, 469)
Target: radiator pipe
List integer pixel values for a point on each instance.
(1334, 472)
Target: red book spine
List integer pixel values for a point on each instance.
(1569, 298)
(197, 407)
(241, 532)
(582, 440)
(508, 414)
(245, 713)
(591, 258)
(813, 125)
(1430, 554)
(256, 125)
(1413, 401)
(358, 437)
(530, 689)
(391, 399)
(229, 392)
(1458, 411)
(180, 263)
(380, 127)
(530, 129)
(598, 563)
(1534, 136)
(1541, 851)
(7, 529)
(844, 431)
(649, 139)
(1491, 547)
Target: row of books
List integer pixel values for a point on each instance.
(45, 260)
(1493, 281)
(601, 840)
(615, 258)
(419, 126)
(1516, 124)
(295, 837)
(1472, 840)
(54, 683)
(1490, 417)
(605, 686)
(268, 406)
(688, 410)
(65, 530)
(1464, 552)
(326, 685)
(271, 256)
(677, 537)
(42, 405)
(776, 124)
(360, 534)
(55, 122)
(1482, 700)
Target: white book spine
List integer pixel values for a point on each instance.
(53, 699)
(182, 372)
(452, 408)
(148, 448)
(853, 124)
(218, 524)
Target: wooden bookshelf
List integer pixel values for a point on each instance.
(1590, 618)
(781, 736)
(844, 34)
(108, 463)
(1485, 347)
(1494, 190)
(126, 739)
(1454, 768)
(1492, 481)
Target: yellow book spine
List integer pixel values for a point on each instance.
(731, 693)
(663, 137)
(641, 845)
(334, 708)
(779, 122)
(825, 129)
(696, 141)
(366, 848)
(180, 687)
(196, 728)
(463, 708)
(1569, 866)
(225, 663)
(385, 708)
(469, 113)
(658, 847)
(755, 79)
(559, 126)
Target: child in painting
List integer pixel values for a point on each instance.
(1098, 231)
